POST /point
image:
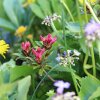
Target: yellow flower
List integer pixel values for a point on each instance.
(30, 36)
(91, 1)
(28, 2)
(20, 31)
(3, 47)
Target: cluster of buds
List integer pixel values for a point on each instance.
(68, 57)
(92, 32)
(61, 85)
(48, 20)
(47, 44)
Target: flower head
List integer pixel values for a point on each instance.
(92, 32)
(3, 47)
(30, 36)
(61, 85)
(91, 27)
(26, 47)
(38, 54)
(48, 41)
(21, 30)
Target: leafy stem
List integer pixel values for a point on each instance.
(42, 81)
(93, 61)
(74, 79)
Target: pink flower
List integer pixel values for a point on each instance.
(38, 54)
(26, 47)
(48, 40)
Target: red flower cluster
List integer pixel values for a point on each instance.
(47, 42)
(26, 47)
(38, 54)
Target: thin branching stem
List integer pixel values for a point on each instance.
(49, 76)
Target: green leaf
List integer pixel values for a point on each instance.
(40, 72)
(73, 27)
(23, 87)
(37, 11)
(20, 71)
(6, 24)
(1, 79)
(6, 89)
(55, 4)
(61, 68)
(96, 94)
(88, 87)
(9, 9)
(2, 12)
(87, 66)
(8, 65)
(98, 46)
(45, 6)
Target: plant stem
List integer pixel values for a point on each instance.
(79, 16)
(86, 17)
(85, 62)
(66, 6)
(92, 12)
(42, 81)
(30, 59)
(49, 76)
(74, 79)
(93, 61)
(53, 26)
(63, 26)
(86, 72)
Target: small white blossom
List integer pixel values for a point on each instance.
(66, 96)
(48, 19)
(68, 57)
